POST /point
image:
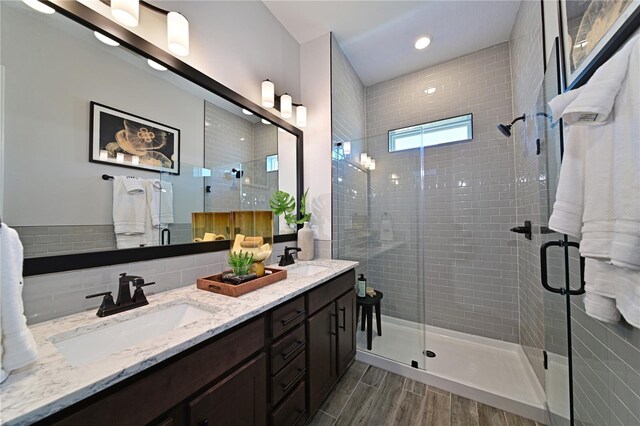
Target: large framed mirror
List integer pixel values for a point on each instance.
(80, 115)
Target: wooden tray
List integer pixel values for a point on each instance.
(214, 283)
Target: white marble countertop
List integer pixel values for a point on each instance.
(51, 383)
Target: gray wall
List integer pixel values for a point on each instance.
(349, 185)
(468, 204)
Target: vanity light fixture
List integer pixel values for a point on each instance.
(246, 112)
(268, 94)
(126, 12)
(430, 90)
(367, 162)
(286, 106)
(40, 7)
(156, 66)
(301, 116)
(178, 33)
(106, 40)
(372, 164)
(422, 42)
(346, 146)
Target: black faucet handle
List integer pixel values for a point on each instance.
(104, 293)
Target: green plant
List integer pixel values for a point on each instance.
(239, 262)
(282, 202)
(305, 217)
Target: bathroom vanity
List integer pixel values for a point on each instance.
(268, 357)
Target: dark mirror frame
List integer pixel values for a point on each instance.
(96, 22)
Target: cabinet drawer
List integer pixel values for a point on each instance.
(287, 317)
(292, 411)
(286, 349)
(326, 293)
(288, 377)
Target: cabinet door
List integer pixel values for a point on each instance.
(239, 400)
(346, 309)
(322, 355)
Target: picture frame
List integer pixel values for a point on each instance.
(592, 31)
(119, 138)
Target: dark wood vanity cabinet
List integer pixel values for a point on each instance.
(275, 369)
(331, 328)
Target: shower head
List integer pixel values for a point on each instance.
(505, 129)
(238, 173)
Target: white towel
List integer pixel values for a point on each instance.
(129, 205)
(160, 202)
(17, 348)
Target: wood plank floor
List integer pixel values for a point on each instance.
(366, 395)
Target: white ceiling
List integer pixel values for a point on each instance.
(378, 36)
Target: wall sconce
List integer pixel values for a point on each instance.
(268, 94)
(286, 103)
(347, 148)
(126, 12)
(40, 7)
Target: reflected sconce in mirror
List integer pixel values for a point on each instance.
(40, 7)
(286, 103)
(367, 162)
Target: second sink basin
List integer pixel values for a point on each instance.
(307, 270)
(83, 347)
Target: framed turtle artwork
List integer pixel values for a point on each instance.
(122, 139)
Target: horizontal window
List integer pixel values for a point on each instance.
(439, 132)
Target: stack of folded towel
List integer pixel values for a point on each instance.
(141, 208)
(17, 346)
(598, 196)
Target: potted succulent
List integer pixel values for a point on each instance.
(240, 264)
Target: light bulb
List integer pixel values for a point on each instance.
(422, 42)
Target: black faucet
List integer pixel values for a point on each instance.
(124, 301)
(287, 257)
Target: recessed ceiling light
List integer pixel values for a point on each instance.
(241, 139)
(422, 42)
(246, 111)
(430, 90)
(156, 66)
(106, 40)
(40, 7)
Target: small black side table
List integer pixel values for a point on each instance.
(368, 303)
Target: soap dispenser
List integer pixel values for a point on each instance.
(362, 286)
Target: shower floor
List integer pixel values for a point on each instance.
(490, 371)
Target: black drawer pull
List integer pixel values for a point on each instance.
(294, 350)
(344, 319)
(301, 373)
(295, 422)
(298, 314)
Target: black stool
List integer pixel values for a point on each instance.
(368, 303)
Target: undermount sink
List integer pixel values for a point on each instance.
(87, 346)
(307, 270)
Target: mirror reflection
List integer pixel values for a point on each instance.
(179, 151)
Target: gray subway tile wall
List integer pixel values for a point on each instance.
(466, 208)
(61, 239)
(55, 295)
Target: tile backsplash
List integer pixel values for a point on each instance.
(55, 295)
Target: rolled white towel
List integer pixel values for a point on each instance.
(18, 347)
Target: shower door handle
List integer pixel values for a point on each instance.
(543, 268)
